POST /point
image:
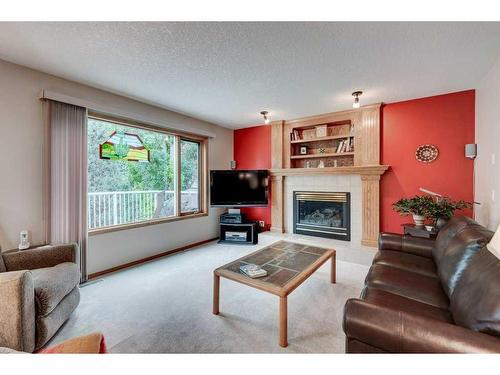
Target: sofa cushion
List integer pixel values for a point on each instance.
(475, 303)
(458, 254)
(2, 264)
(407, 284)
(48, 325)
(447, 233)
(405, 261)
(395, 302)
(52, 284)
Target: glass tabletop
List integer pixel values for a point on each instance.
(282, 260)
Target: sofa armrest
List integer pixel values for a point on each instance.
(17, 311)
(407, 244)
(41, 257)
(398, 332)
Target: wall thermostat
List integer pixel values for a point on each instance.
(471, 150)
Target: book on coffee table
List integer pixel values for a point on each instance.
(253, 271)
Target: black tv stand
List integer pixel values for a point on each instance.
(245, 233)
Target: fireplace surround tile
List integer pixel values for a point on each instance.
(331, 183)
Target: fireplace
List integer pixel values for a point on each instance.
(322, 214)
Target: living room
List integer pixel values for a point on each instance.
(249, 187)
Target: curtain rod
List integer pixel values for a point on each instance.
(53, 95)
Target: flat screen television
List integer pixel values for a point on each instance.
(242, 188)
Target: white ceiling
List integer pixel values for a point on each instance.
(226, 73)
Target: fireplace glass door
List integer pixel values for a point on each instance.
(322, 214)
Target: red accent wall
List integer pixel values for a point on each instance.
(252, 150)
(446, 121)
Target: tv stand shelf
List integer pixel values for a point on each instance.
(248, 229)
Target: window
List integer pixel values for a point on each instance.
(190, 176)
(137, 174)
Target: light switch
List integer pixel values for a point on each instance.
(492, 159)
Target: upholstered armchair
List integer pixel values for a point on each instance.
(38, 293)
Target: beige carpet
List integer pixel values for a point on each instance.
(165, 307)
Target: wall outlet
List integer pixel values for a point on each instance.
(262, 223)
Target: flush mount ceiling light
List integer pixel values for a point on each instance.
(266, 118)
(356, 95)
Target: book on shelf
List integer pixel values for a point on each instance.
(339, 147)
(252, 270)
(295, 135)
(345, 145)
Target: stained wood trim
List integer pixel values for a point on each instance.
(277, 144)
(177, 168)
(148, 259)
(361, 170)
(371, 209)
(277, 204)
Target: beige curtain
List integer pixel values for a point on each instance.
(67, 208)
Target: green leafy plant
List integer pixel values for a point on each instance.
(444, 208)
(418, 205)
(433, 210)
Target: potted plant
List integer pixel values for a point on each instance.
(418, 207)
(443, 209)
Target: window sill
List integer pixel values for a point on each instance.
(116, 228)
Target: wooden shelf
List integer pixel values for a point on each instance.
(322, 139)
(311, 156)
(367, 170)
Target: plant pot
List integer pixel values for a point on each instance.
(419, 220)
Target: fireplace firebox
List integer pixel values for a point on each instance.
(322, 214)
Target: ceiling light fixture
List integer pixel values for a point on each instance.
(266, 119)
(356, 95)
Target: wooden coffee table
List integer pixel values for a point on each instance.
(287, 264)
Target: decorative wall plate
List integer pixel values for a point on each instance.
(426, 153)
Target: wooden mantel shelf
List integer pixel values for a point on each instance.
(373, 170)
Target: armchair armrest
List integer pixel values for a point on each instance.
(407, 244)
(398, 332)
(41, 257)
(17, 311)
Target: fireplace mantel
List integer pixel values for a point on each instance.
(366, 124)
(372, 170)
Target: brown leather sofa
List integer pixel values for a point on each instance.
(429, 296)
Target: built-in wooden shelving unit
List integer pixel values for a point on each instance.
(322, 145)
(360, 128)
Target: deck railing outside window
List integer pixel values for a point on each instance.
(121, 207)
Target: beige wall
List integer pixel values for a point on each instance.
(21, 168)
(487, 178)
